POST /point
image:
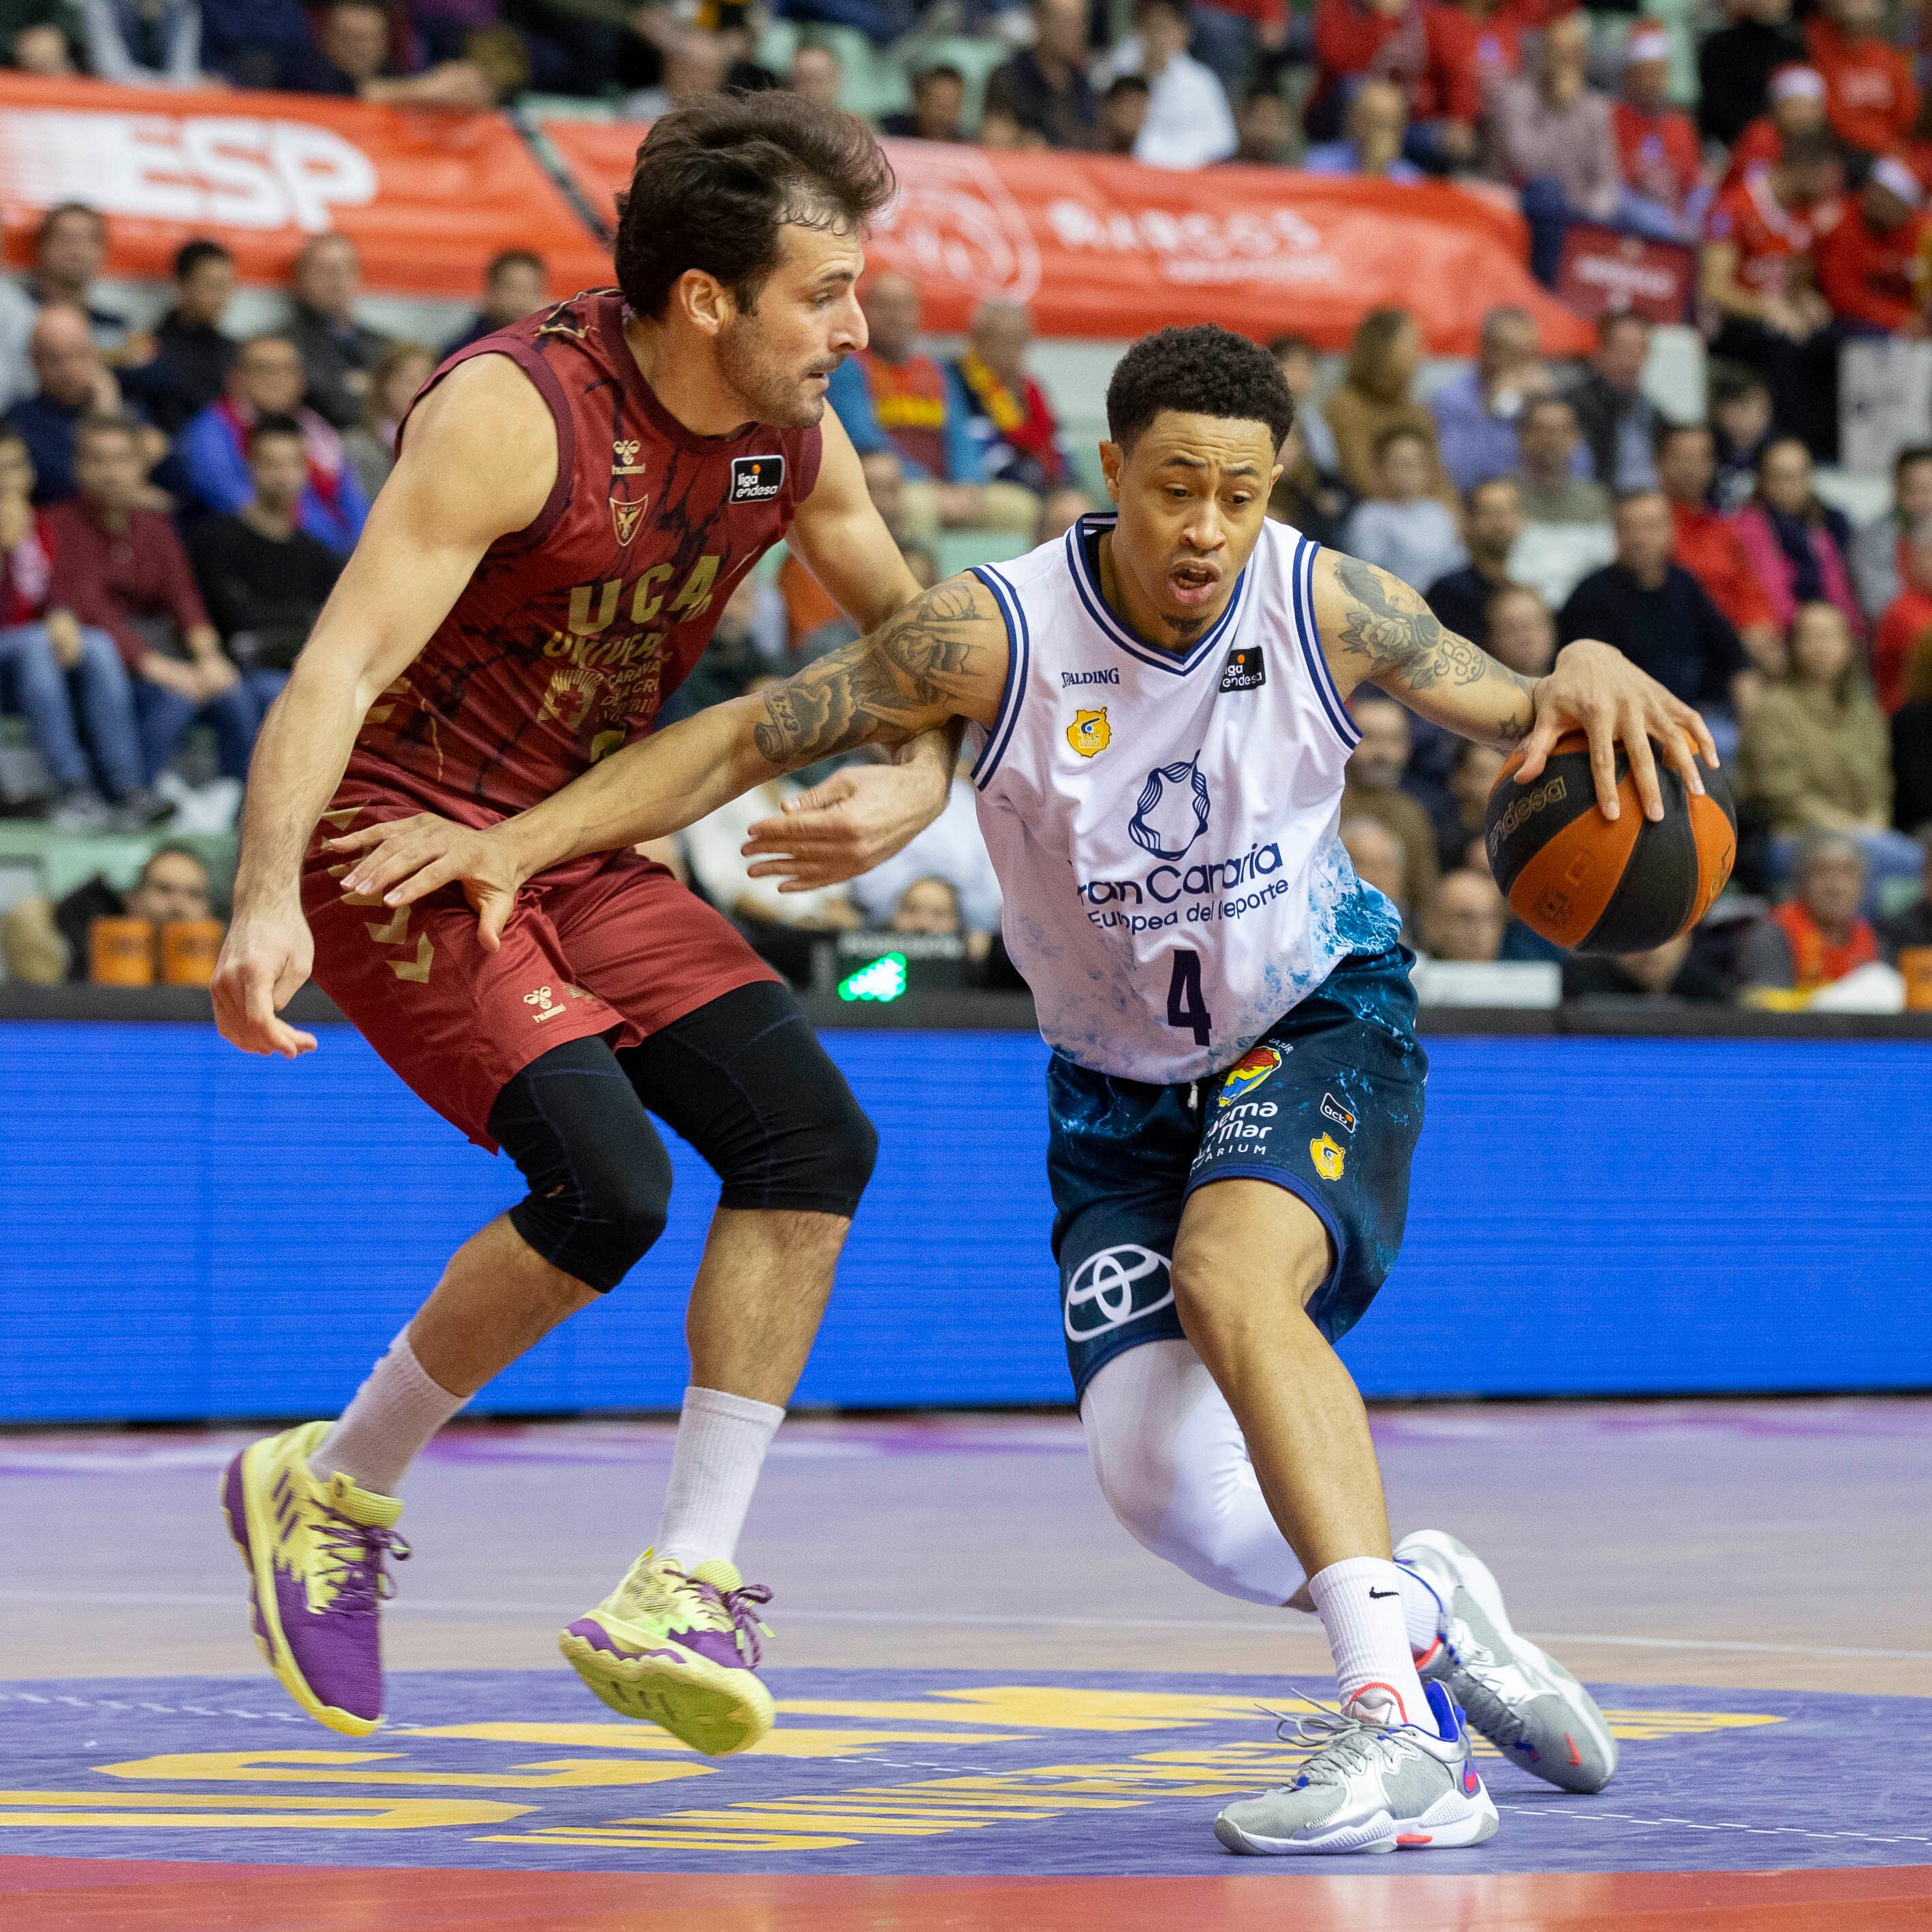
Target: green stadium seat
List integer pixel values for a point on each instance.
(960, 550)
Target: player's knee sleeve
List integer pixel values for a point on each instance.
(599, 1177)
(1173, 1466)
(745, 1080)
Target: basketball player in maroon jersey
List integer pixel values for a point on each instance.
(575, 498)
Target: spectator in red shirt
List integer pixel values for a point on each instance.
(1657, 149)
(1797, 107)
(122, 569)
(1415, 45)
(1708, 544)
(1871, 266)
(1906, 619)
(1869, 91)
(1755, 273)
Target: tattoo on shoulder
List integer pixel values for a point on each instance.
(885, 688)
(1391, 626)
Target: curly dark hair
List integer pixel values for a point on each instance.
(716, 182)
(1208, 371)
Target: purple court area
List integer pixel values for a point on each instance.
(884, 1772)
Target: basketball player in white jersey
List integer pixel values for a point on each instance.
(1236, 1087)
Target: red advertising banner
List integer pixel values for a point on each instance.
(1104, 247)
(1603, 271)
(428, 195)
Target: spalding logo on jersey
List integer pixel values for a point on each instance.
(757, 479)
(1172, 812)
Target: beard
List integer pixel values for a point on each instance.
(773, 393)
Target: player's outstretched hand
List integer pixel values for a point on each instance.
(857, 819)
(1597, 688)
(264, 958)
(404, 860)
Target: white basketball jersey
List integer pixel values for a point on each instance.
(1164, 826)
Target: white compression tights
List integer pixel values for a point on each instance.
(1174, 1467)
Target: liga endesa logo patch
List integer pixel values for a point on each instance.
(757, 479)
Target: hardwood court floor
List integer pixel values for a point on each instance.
(1748, 1581)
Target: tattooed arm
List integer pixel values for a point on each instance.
(941, 657)
(1376, 630)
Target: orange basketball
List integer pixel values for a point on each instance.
(1594, 884)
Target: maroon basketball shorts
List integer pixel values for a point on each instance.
(622, 949)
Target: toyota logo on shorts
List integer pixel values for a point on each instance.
(1114, 1287)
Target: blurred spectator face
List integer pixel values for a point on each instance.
(1856, 17)
(1798, 100)
(1821, 644)
(1267, 132)
(1061, 27)
(1566, 54)
(891, 303)
(1623, 348)
(1378, 120)
(1522, 634)
(67, 365)
(1465, 918)
(354, 36)
(1656, 971)
(1647, 78)
(1495, 519)
(1914, 491)
(927, 905)
(815, 74)
(1833, 882)
(1506, 351)
(885, 484)
(998, 129)
(1646, 536)
(515, 289)
(1548, 436)
(72, 244)
(280, 472)
(1784, 477)
(1378, 761)
(1686, 464)
(938, 100)
(1122, 114)
(42, 49)
(203, 295)
(1804, 183)
(1163, 29)
(1295, 359)
(1000, 334)
(695, 66)
(1403, 470)
(173, 885)
(1378, 857)
(329, 276)
(398, 381)
(1743, 419)
(268, 376)
(109, 470)
(1060, 511)
(1473, 777)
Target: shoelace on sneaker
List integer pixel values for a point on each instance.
(355, 1552)
(736, 1613)
(1343, 1744)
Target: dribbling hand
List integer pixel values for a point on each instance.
(857, 819)
(264, 959)
(404, 860)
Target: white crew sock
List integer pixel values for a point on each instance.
(1422, 1612)
(1359, 1602)
(721, 1441)
(384, 1429)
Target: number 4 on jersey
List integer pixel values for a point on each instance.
(1186, 1004)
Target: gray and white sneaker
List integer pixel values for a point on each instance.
(1518, 1697)
(1372, 1786)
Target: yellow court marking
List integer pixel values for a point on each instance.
(1641, 1724)
(1042, 1707)
(321, 1767)
(147, 1810)
(787, 1741)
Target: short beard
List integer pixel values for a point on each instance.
(773, 396)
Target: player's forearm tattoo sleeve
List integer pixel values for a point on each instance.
(885, 688)
(1405, 647)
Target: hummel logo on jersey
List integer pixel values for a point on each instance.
(757, 479)
(1244, 669)
(1110, 675)
(624, 459)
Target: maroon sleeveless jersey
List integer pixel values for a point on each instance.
(573, 632)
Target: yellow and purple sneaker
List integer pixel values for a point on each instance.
(679, 1651)
(314, 1551)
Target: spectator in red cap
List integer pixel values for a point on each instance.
(1796, 106)
(1871, 265)
(1870, 93)
(1662, 159)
